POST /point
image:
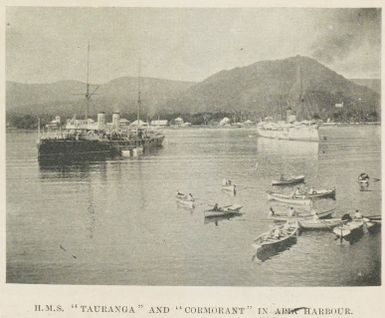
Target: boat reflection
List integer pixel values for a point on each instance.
(49, 163)
(351, 239)
(181, 206)
(269, 251)
(287, 147)
(217, 219)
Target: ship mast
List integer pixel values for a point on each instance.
(87, 95)
(139, 103)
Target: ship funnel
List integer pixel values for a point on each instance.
(115, 120)
(101, 120)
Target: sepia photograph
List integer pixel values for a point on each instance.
(236, 147)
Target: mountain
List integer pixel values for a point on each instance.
(269, 87)
(260, 89)
(373, 83)
(67, 97)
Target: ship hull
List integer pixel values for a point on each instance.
(303, 133)
(68, 149)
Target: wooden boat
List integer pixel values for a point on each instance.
(223, 211)
(348, 230)
(320, 224)
(285, 198)
(277, 236)
(218, 219)
(289, 180)
(323, 193)
(304, 215)
(185, 199)
(372, 223)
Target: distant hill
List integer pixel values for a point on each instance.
(373, 83)
(257, 90)
(67, 97)
(269, 87)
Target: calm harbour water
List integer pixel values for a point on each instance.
(117, 221)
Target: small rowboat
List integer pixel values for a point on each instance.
(284, 198)
(320, 224)
(223, 211)
(289, 181)
(350, 229)
(185, 200)
(324, 193)
(302, 215)
(279, 235)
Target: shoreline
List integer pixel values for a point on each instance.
(14, 129)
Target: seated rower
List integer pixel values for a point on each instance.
(276, 233)
(363, 177)
(291, 212)
(312, 191)
(216, 208)
(357, 215)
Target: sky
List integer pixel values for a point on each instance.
(50, 44)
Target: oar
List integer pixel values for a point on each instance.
(371, 217)
(376, 179)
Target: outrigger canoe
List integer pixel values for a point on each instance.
(302, 215)
(284, 198)
(223, 211)
(320, 224)
(277, 236)
(185, 200)
(324, 193)
(348, 230)
(289, 180)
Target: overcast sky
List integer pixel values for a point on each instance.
(50, 44)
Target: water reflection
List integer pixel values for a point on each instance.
(268, 251)
(217, 219)
(287, 147)
(351, 239)
(182, 206)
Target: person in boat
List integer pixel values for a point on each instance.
(216, 207)
(315, 215)
(190, 197)
(312, 191)
(363, 177)
(272, 212)
(357, 215)
(291, 212)
(298, 191)
(363, 180)
(276, 233)
(178, 193)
